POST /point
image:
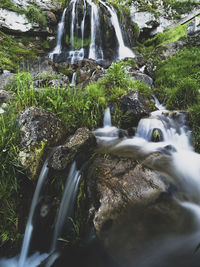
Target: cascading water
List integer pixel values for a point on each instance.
(73, 82)
(77, 51)
(60, 31)
(182, 165)
(35, 259)
(123, 51)
(95, 51)
(67, 203)
(76, 54)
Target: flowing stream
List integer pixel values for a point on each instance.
(181, 163)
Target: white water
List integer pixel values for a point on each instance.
(67, 203)
(76, 54)
(95, 51)
(23, 260)
(183, 166)
(60, 31)
(123, 51)
(73, 82)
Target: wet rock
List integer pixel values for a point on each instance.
(84, 68)
(38, 128)
(51, 18)
(135, 106)
(157, 135)
(78, 147)
(130, 206)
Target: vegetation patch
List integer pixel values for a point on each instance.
(11, 53)
(35, 15)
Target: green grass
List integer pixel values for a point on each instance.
(9, 5)
(11, 54)
(10, 173)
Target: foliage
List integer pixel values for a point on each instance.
(9, 5)
(183, 64)
(184, 95)
(34, 14)
(10, 172)
(167, 36)
(194, 119)
(173, 8)
(11, 54)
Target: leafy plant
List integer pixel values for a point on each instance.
(36, 15)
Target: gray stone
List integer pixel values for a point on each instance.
(78, 146)
(5, 96)
(6, 79)
(136, 75)
(38, 128)
(13, 21)
(131, 205)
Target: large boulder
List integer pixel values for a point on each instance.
(78, 146)
(14, 22)
(39, 129)
(132, 206)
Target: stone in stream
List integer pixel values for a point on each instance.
(131, 206)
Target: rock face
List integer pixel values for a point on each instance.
(14, 22)
(78, 146)
(38, 128)
(135, 106)
(131, 205)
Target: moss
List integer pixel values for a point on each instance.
(11, 53)
(35, 15)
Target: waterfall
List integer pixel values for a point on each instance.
(36, 258)
(107, 118)
(76, 54)
(67, 203)
(29, 225)
(95, 51)
(73, 82)
(60, 31)
(123, 51)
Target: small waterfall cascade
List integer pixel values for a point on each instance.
(29, 225)
(34, 260)
(95, 51)
(60, 31)
(107, 118)
(73, 82)
(81, 21)
(67, 202)
(182, 166)
(76, 54)
(123, 51)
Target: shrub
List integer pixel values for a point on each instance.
(35, 15)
